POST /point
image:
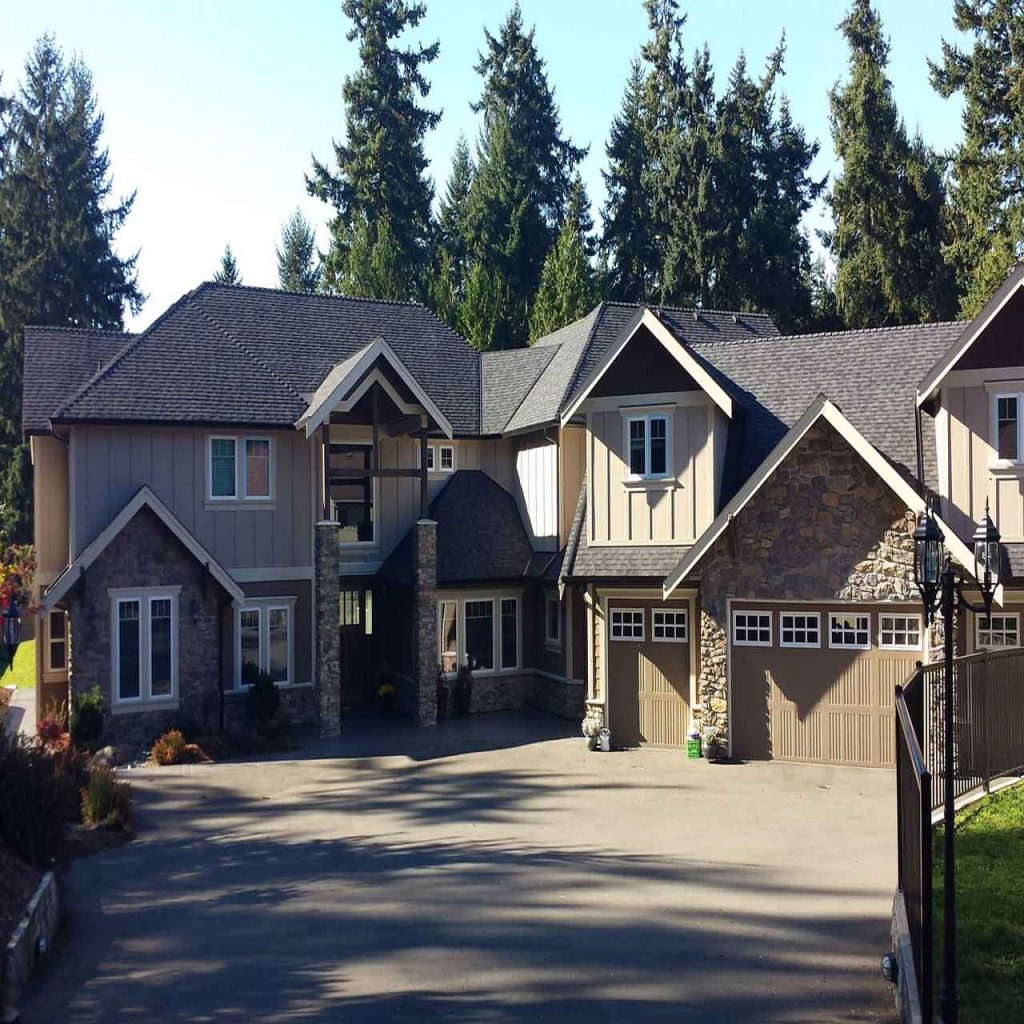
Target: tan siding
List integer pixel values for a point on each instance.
(50, 501)
(572, 457)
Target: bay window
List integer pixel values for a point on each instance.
(144, 642)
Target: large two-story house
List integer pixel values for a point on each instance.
(678, 517)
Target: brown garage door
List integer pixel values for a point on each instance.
(648, 672)
(805, 688)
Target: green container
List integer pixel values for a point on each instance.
(693, 748)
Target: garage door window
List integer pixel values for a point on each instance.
(999, 631)
(899, 632)
(849, 629)
(628, 624)
(669, 625)
(800, 629)
(752, 629)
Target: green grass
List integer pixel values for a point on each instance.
(990, 908)
(23, 673)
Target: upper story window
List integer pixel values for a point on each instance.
(352, 492)
(441, 458)
(647, 446)
(239, 468)
(1007, 427)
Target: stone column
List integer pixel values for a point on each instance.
(328, 638)
(425, 610)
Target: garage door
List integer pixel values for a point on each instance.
(648, 672)
(816, 682)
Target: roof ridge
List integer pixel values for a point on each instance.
(319, 295)
(685, 309)
(68, 329)
(882, 329)
(573, 381)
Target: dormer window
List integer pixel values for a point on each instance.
(647, 453)
(1007, 428)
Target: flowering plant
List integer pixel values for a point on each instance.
(17, 567)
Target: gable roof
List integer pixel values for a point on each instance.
(821, 408)
(143, 498)
(508, 378)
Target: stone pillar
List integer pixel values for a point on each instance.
(425, 610)
(328, 638)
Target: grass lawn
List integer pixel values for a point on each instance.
(23, 672)
(990, 908)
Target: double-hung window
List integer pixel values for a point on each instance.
(997, 631)
(441, 458)
(647, 440)
(57, 642)
(1007, 427)
(145, 645)
(265, 641)
(481, 631)
(239, 468)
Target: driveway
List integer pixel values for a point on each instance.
(492, 870)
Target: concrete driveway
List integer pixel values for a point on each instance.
(491, 871)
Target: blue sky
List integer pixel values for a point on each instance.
(213, 109)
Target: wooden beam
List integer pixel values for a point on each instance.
(424, 491)
(402, 426)
(344, 475)
(325, 441)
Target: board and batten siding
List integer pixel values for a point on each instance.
(50, 501)
(111, 464)
(653, 512)
(537, 480)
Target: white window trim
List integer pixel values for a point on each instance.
(882, 646)
(997, 462)
(978, 646)
(806, 615)
(685, 638)
(265, 605)
(145, 597)
(646, 417)
(850, 647)
(240, 497)
(434, 459)
(770, 642)
(460, 600)
(552, 643)
(634, 639)
(51, 643)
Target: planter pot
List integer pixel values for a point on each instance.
(709, 751)
(593, 742)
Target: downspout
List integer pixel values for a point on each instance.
(921, 488)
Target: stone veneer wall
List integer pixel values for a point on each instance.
(824, 526)
(327, 671)
(146, 554)
(425, 610)
(562, 697)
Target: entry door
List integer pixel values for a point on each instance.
(355, 626)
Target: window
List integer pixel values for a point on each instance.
(800, 629)
(479, 619)
(752, 629)
(668, 625)
(999, 631)
(552, 622)
(228, 479)
(627, 624)
(350, 608)
(648, 446)
(449, 620)
(145, 645)
(352, 492)
(509, 632)
(265, 641)
(57, 642)
(430, 459)
(849, 629)
(1007, 428)
(441, 458)
(900, 632)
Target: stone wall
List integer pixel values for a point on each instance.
(146, 554)
(562, 697)
(425, 610)
(327, 671)
(824, 526)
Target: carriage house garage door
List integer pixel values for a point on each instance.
(815, 682)
(649, 684)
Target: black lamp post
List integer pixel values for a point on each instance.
(12, 628)
(941, 588)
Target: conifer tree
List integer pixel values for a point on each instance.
(298, 266)
(58, 222)
(887, 200)
(987, 194)
(380, 192)
(227, 272)
(449, 269)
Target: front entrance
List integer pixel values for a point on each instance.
(358, 660)
(648, 644)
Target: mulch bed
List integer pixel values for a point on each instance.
(18, 882)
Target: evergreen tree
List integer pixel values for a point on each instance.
(381, 192)
(58, 223)
(298, 267)
(567, 283)
(627, 239)
(887, 201)
(227, 272)
(375, 267)
(518, 196)
(987, 194)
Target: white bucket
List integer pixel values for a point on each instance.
(606, 740)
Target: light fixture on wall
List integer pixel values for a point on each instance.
(12, 627)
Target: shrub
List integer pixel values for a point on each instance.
(87, 716)
(263, 699)
(49, 732)
(169, 748)
(105, 800)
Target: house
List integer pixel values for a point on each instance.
(673, 516)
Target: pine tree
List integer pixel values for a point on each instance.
(567, 283)
(987, 194)
(627, 240)
(227, 272)
(375, 267)
(522, 185)
(298, 266)
(58, 223)
(887, 201)
(381, 191)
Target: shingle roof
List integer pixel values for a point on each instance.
(254, 355)
(507, 378)
(480, 535)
